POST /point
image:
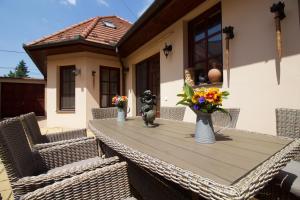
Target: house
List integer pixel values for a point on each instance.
(257, 79)
(71, 61)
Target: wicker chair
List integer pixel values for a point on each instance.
(29, 170)
(39, 141)
(173, 113)
(104, 113)
(223, 120)
(286, 184)
(110, 182)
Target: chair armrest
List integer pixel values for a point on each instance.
(32, 183)
(60, 155)
(66, 135)
(51, 144)
(110, 182)
(297, 157)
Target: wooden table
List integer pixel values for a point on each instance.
(237, 166)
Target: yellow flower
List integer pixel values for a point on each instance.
(195, 98)
(201, 93)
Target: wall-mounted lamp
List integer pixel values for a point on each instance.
(229, 35)
(77, 72)
(167, 49)
(278, 10)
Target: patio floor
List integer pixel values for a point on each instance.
(5, 188)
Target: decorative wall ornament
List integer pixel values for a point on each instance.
(278, 11)
(214, 75)
(229, 35)
(167, 49)
(188, 78)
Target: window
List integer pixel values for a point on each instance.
(109, 85)
(109, 24)
(67, 88)
(205, 44)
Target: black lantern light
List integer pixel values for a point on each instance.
(228, 31)
(167, 49)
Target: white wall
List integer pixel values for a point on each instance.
(86, 94)
(258, 84)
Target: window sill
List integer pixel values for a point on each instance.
(219, 84)
(65, 111)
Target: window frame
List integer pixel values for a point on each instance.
(61, 69)
(207, 18)
(109, 82)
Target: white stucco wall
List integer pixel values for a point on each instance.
(258, 84)
(86, 93)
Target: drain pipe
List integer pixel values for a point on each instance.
(123, 71)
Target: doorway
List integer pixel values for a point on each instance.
(148, 78)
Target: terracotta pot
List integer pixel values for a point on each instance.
(214, 75)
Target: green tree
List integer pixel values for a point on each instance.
(21, 71)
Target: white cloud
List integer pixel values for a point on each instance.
(145, 7)
(103, 2)
(68, 2)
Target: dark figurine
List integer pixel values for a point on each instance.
(148, 114)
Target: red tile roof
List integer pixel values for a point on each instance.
(93, 30)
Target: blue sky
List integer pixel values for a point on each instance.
(23, 21)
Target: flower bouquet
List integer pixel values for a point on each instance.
(203, 101)
(120, 102)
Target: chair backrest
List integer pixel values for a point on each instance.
(32, 129)
(223, 120)
(288, 122)
(174, 113)
(15, 151)
(104, 113)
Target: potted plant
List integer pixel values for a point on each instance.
(120, 102)
(203, 101)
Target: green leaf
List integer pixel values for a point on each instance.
(204, 110)
(183, 102)
(181, 95)
(188, 90)
(225, 93)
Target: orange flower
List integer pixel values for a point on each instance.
(210, 97)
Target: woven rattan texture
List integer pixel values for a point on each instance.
(288, 124)
(104, 113)
(110, 182)
(39, 141)
(63, 142)
(246, 188)
(174, 113)
(15, 152)
(29, 184)
(21, 163)
(223, 120)
(32, 128)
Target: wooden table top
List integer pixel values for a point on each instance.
(232, 157)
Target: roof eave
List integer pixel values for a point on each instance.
(79, 40)
(34, 60)
(152, 10)
(68, 42)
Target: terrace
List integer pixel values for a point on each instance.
(192, 101)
